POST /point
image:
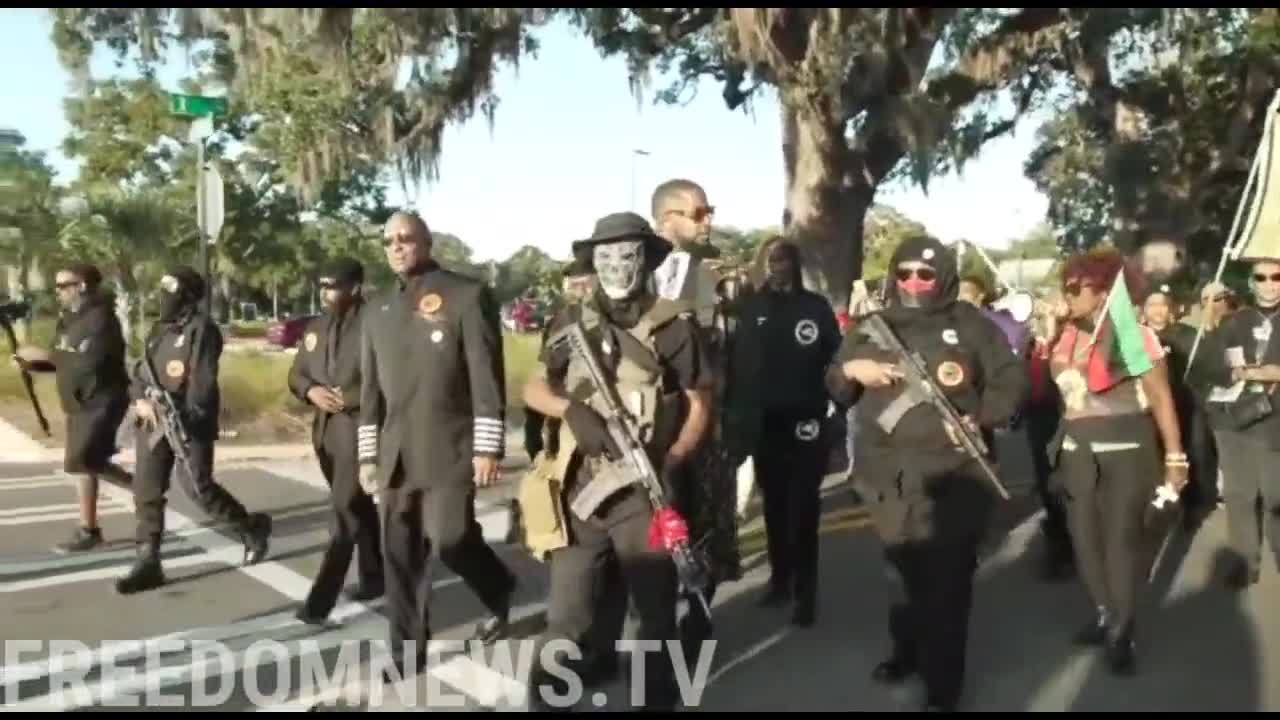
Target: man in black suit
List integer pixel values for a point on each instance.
(432, 405)
(326, 375)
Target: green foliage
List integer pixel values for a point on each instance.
(885, 229)
(1159, 147)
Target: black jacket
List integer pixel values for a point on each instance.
(330, 360)
(783, 345)
(918, 484)
(433, 394)
(89, 357)
(185, 357)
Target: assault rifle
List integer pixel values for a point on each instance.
(632, 467)
(919, 389)
(169, 423)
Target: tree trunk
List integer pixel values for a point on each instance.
(825, 212)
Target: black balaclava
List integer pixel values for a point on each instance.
(178, 302)
(915, 297)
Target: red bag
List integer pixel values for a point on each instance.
(667, 530)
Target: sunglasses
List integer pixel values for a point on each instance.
(66, 285)
(923, 273)
(1261, 277)
(1074, 288)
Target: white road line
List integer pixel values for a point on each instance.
(60, 507)
(62, 479)
(60, 516)
(26, 484)
(102, 573)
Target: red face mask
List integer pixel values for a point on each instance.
(915, 286)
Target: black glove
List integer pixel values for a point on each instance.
(590, 431)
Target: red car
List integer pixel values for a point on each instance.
(286, 333)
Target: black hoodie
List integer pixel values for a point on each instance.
(965, 353)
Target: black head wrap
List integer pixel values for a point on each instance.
(946, 288)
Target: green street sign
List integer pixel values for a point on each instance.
(196, 105)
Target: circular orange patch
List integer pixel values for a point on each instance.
(430, 303)
(175, 369)
(950, 374)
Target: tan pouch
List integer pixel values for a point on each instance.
(541, 511)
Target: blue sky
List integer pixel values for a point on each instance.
(559, 154)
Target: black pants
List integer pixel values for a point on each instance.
(1202, 453)
(151, 482)
(579, 573)
(790, 462)
(1108, 496)
(442, 520)
(1251, 473)
(929, 624)
(353, 524)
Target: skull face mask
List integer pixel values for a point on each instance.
(618, 267)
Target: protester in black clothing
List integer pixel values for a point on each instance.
(930, 502)
(787, 337)
(1242, 357)
(431, 430)
(183, 350)
(1177, 339)
(326, 375)
(652, 356)
(89, 361)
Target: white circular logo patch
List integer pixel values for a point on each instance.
(807, 430)
(437, 336)
(949, 337)
(806, 332)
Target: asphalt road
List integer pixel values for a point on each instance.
(1201, 647)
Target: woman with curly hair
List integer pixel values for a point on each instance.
(1119, 438)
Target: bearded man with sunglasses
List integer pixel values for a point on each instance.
(1243, 358)
(929, 501)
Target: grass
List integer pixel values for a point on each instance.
(257, 407)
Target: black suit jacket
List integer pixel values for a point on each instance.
(433, 394)
(331, 361)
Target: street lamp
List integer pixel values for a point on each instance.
(635, 153)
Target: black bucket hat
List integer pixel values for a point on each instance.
(622, 226)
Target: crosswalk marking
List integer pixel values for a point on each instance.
(37, 518)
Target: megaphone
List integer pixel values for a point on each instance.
(1019, 304)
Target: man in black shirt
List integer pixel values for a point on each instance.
(431, 430)
(787, 337)
(93, 388)
(653, 356)
(326, 375)
(1243, 357)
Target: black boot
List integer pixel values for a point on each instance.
(1121, 656)
(146, 573)
(256, 536)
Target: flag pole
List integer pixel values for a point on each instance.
(1231, 249)
(1106, 306)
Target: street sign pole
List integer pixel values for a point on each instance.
(200, 130)
(208, 219)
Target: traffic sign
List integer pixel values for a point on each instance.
(196, 105)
